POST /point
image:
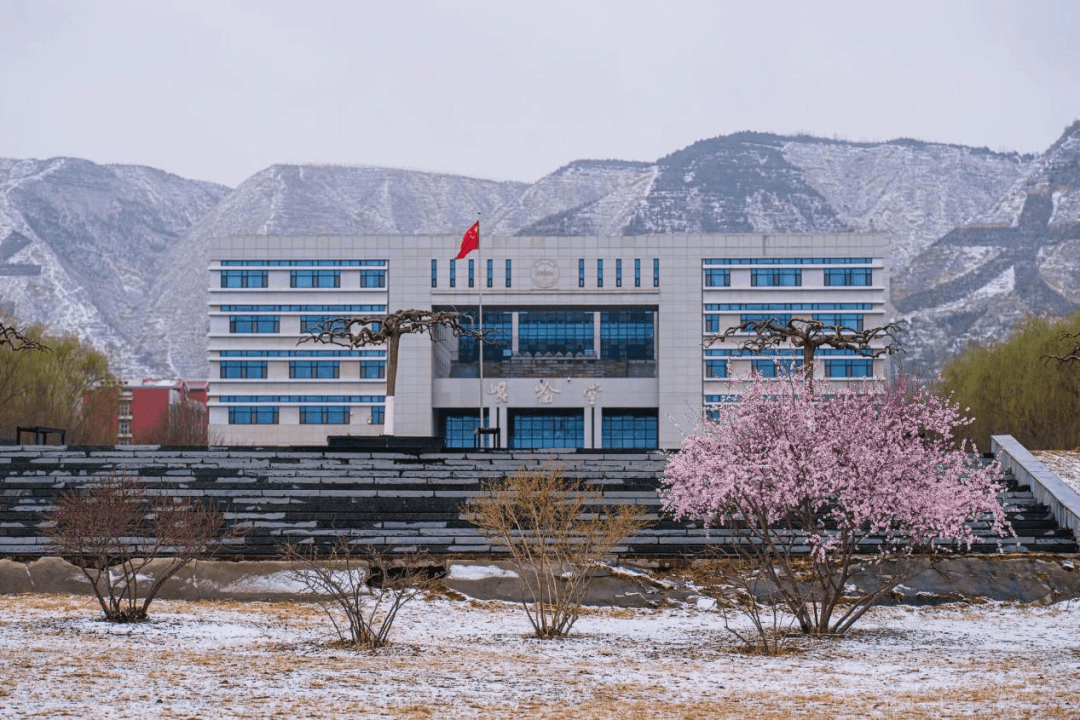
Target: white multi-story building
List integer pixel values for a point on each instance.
(593, 342)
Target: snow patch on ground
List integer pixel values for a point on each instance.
(468, 659)
(1064, 464)
(478, 572)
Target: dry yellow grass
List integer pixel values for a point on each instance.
(473, 660)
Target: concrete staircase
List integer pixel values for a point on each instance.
(395, 500)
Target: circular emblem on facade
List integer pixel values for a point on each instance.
(545, 273)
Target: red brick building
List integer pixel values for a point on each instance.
(163, 412)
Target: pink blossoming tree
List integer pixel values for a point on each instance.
(813, 483)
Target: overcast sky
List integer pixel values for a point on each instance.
(219, 90)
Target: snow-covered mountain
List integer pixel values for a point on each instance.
(119, 253)
(83, 246)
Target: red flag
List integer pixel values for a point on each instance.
(470, 241)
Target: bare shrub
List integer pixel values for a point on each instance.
(745, 589)
(556, 531)
(113, 528)
(360, 588)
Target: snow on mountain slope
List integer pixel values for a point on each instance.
(915, 191)
(81, 246)
(1032, 232)
(610, 188)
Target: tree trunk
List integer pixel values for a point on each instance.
(391, 382)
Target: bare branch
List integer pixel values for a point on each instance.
(16, 340)
(380, 329)
(812, 334)
(1073, 355)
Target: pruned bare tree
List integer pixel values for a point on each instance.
(113, 529)
(810, 335)
(354, 332)
(1072, 355)
(16, 340)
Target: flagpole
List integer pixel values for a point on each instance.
(481, 278)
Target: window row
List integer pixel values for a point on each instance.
(300, 369)
(791, 277)
(774, 367)
(619, 273)
(849, 321)
(489, 273)
(788, 261)
(624, 334)
(309, 415)
(300, 278)
(620, 428)
(269, 324)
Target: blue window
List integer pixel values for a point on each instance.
(317, 323)
(776, 277)
(372, 279)
(618, 273)
(630, 428)
(862, 368)
(848, 277)
(599, 273)
(254, 415)
(497, 337)
(853, 321)
(717, 278)
(372, 369)
(434, 273)
(315, 278)
(712, 323)
(243, 278)
(254, 323)
(626, 335)
(490, 272)
(716, 369)
(472, 272)
(581, 273)
(508, 273)
(324, 415)
(547, 429)
(453, 273)
(459, 428)
(243, 369)
(656, 272)
(311, 369)
(764, 368)
(378, 415)
(637, 272)
(555, 332)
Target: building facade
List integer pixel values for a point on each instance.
(594, 342)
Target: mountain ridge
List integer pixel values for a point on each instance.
(118, 253)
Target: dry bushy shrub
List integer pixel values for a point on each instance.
(113, 528)
(557, 531)
(360, 588)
